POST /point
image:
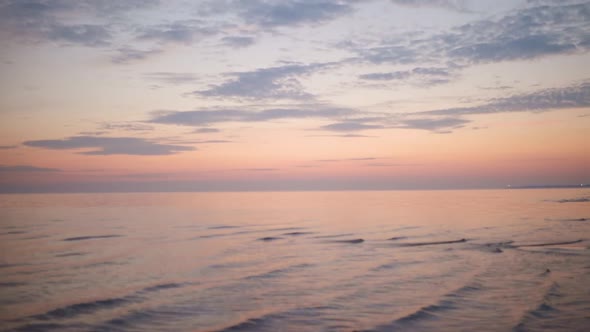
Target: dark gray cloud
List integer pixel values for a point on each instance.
(238, 41)
(110, 145)
(575, 96)
(206, 117)
(8, 147)
(26, 169)
(265, 83)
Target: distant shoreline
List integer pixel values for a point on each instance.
(127, 191)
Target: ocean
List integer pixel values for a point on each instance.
(470, 260)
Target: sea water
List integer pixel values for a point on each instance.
(472, 260)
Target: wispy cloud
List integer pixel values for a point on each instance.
(575, 96)
(421, 76)
(110, 146)
(8, 147)
(207, 117)
(126, 126)
(347, 159)
(206, 130)
(127, 55)
(26, 169)
(173, 78)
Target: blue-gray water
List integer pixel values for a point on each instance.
(496, 260)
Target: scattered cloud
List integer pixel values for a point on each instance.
(38, 20)
(110, 146)
(26, 169)
(528, 33)
(265, 83)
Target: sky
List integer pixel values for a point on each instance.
(293, 94)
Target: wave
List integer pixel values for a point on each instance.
(351, 241)
(574, 200)
(544, 311)
(278, 272)
(269, 238)
(91, 307)
(333, 236)
(280, 321)
(418, 244)
(91, 237)
(297, 233)
(547, 244)
(429, 312)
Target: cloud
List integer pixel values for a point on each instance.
(457, 5)
(8, 147)
(183, 32)
(26, 169)
(172, 78)
(272, 14)
(126, 126)
(238, 41)
(265, 83)
(423, 76)
(207, 117)
(347, 159)
(83, 34)
(110, 146)
(350, 126)
(529, 33)
(127, 55)
(575, 96)
(55, 20)
(441, 125)
(206, 130)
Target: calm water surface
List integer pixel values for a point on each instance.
(504, 260)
